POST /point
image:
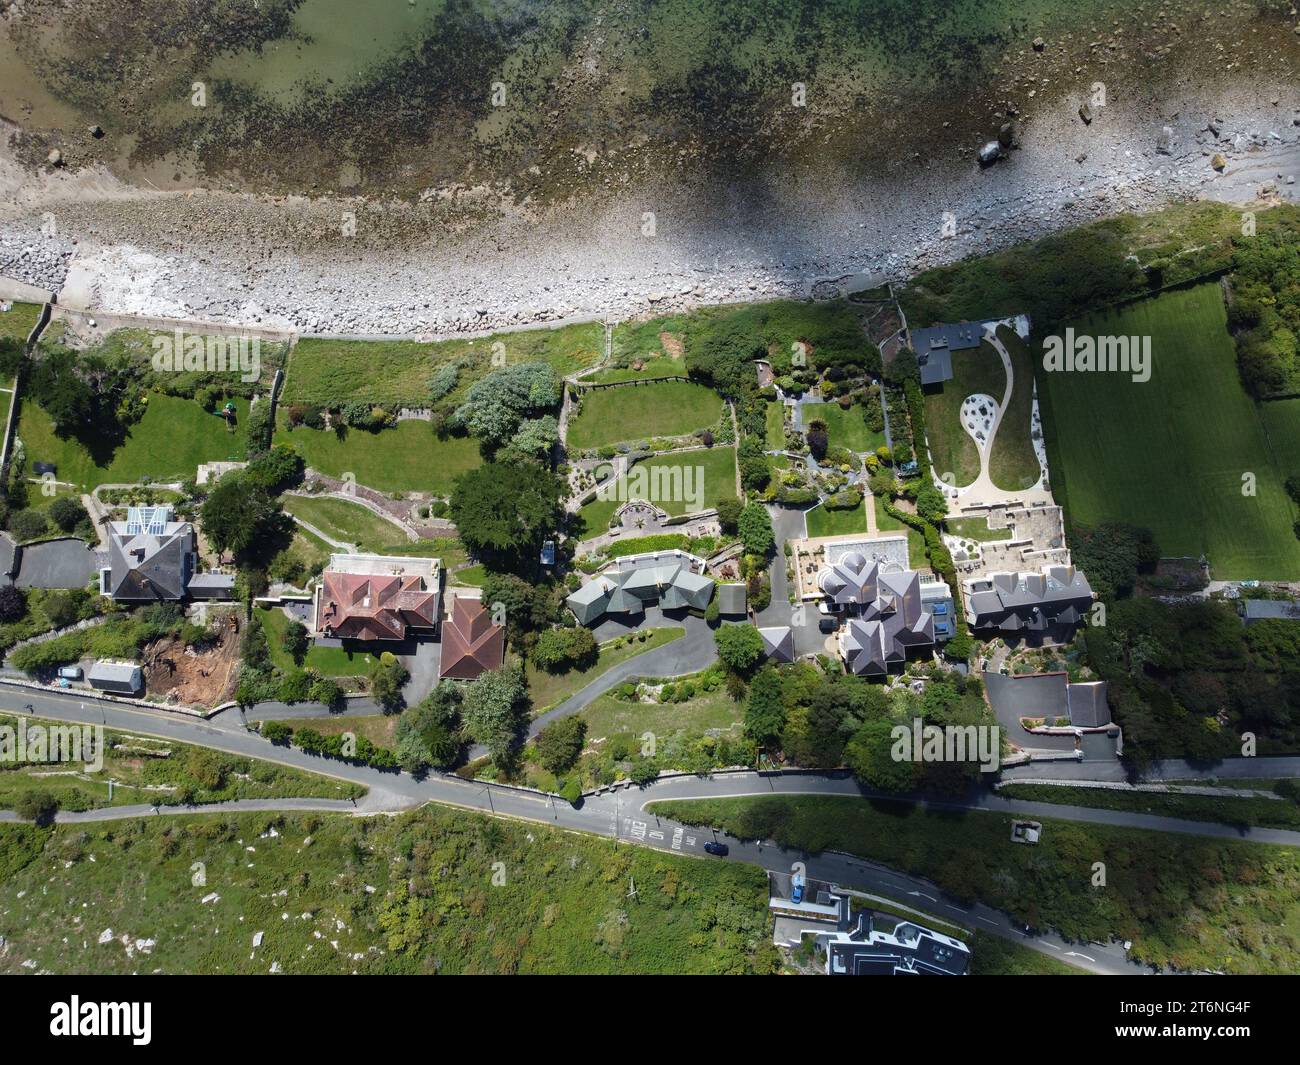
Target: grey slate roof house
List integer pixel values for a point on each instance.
(778, 643)
(731, 599)
(858, 948)
(675, 578)
(1027, 604)
(1049, 696)
(1263, 609)
(889, 617)
(934, 347)
(153, 557)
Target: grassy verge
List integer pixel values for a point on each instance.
(1228, 809)
(147, 770)
(1184, 901)
(349, 522)
(432, 890)
(550, 689)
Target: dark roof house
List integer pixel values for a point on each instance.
(1263, 609)
(890, 618)
(377, 597)
(731, 599)
(675, 578)
(858, 948)
(151, 556)
(934, 347)
(1027, 604)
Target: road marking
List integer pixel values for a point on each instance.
(677, 838)
(638, 829)
(1047, 944)
(657, 835)
(1075, 954)
(923, 895)
(987, 921)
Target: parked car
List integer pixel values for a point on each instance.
(828, 624)
(720, 849)
(796, 896)
(69, 672)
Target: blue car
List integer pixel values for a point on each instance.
(796, 896)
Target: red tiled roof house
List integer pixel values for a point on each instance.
(471, 644)
(377, 597)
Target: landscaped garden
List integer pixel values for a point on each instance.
(846, 427)
(330, 373)
(953, 450)
(822, 521)
(327, 661)
(172, 438)
(550, 689)
(718, 473)
(1013, 463)
(637, 412)
(1183, 454)
(347, 522)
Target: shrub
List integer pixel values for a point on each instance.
(67, 513)
(37, 805)
(560, 743)
(558, 650)
(277, 732)
(28, 525)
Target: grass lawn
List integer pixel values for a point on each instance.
(607, 715)
(1170, 454)
(328, 373)
(327, 661)
(660, 366)
(145, 770)
(379, 729)
(397, 895)
(409, 457)
(19, 321)
(666, 408)
(1012, 462)
(1282, 425)
(349, 522)
(823, 522)
(169, 442)
(846, 428)
(951, 447)
(915, 541)
(718, 466)
(972, 529)
(1184, 901)
(472, 576)
(775, 425)
(549, 689)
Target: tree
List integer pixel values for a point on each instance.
(28, 525)
(386, 679)
(67, 513)
(275, 469)
(560, 743)
(740, 647)
(13, 603)
(930, 504)
(535, 437)
(496, 405)
(765, 711)
(326, 692)
(293, 641)
(36, 804)
(729, 515)
(558, 650)
(818, 440)
(240, 516)
(494, 709)
(870, 755)
(526, 606)
(756, 532)
(505, 510)
(428, 734)
(277, 732)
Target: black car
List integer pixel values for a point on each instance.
(828, 624)
(720, 849)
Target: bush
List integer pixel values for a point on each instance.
(277, 732)
(28, 525)
(559, 650)
(13, 603)
(560, 743)
(37, 805)
(67, 513)
(572, 791)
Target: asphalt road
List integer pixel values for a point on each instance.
(621, 813)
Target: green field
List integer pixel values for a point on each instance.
(774, 424)
(169, 442)
(951, 447)
(396, 373)
(349, 522)
(549, 689)
(823, 522)
(1012, 462)
(608, 715)
(327, 661)
(18, 322)
(846, 428)
(639, 412)
(409, 457)
(1172, 454)
(915, 541)
(1282, 424)
(431, 890)
(719, 478)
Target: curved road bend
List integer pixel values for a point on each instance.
(621, 814)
